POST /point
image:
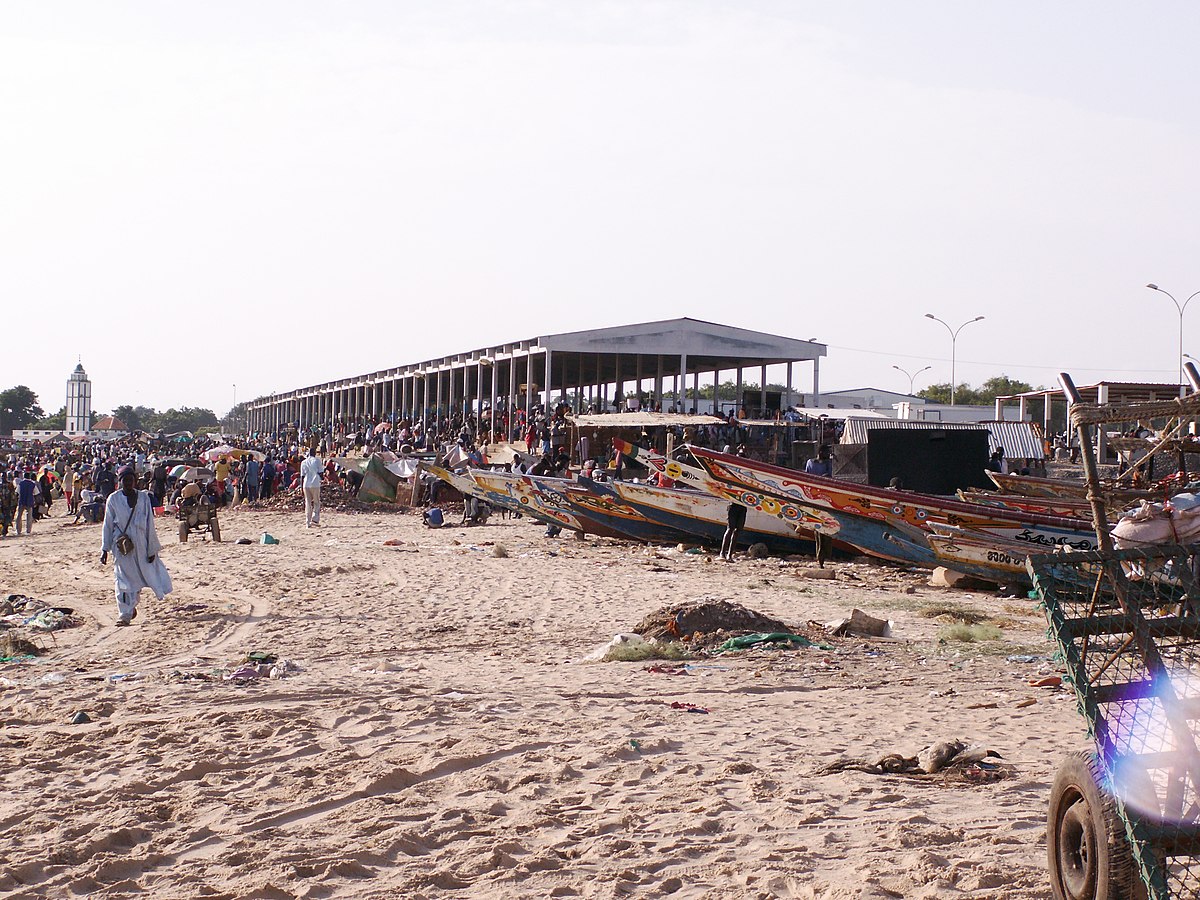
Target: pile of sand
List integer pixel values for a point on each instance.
(705, 622)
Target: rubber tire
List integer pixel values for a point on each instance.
(183, 532)
(215, 530)
(1088, 854)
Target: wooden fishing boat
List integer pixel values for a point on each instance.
(704, 516)
(1050, 506)
(1034, 486)
(901, 510)
(543, 503)
(599, 502)
(965, 551)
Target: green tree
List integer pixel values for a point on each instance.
(134, 417)
(186, 419)
(18, 408)
(56, 422)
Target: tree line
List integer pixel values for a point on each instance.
(19, 409)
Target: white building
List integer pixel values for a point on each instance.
(79, 403)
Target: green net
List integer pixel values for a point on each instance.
(1127, 628)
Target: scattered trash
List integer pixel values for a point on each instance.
(777, 637)
(80, 718)
(14, 648)
(861, 624)
(758, 551)
(500, 551)
(689, 707)
(1022, 658)
(635, 744)
(393, 542)
(268, 539)
(243, 541)
(820, 574)
(667, 669)
(52, 678)
(1048, 681)
(124, 676)
(1025, 703)
(972, 762)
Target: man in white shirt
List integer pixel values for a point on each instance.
(310, 481)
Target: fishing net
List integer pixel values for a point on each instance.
(1127, 625)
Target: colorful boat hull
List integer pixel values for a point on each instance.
(904, 512)
(704, 516)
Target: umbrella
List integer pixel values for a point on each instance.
(191, 473)
(217, 452)
(177, 471)
(383, 426)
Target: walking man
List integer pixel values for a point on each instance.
(129, 529)
(27, 497)
(310, 480)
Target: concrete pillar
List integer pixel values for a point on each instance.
(548, 400)
(494, 400)
(817, 382)
(787, 399)
(658, 381)
(762, 390)
(681, 384)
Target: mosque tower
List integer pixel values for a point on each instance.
(79, 402)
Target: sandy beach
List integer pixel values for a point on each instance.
(437, 735)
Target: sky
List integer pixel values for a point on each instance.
(205, 202)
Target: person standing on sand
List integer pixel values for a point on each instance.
(735, 519)
(27, 497)
(823, 467)
(8, 502)
(310, 480)
(129, 529)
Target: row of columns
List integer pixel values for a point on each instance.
(434, 392)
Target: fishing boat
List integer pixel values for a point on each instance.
(704, 516)
(901, 511)
(1035, 486)
(1070, 507)
(542, 501)
(599, 502)
(964, 551)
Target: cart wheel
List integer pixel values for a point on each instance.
(215, 530)
(1089, 855)
(183, 532)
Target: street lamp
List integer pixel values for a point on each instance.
(1182, 309)
(911, 375)
(953, 343)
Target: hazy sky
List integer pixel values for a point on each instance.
(302, 191)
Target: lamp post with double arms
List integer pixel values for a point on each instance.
(911, 375)
(953, 344)
(1182, 309)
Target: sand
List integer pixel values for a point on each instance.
(442, 740)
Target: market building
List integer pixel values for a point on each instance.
(619, 368)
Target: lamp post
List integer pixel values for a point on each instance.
(953, 345)
(233, 412)
(911, 375)
(1182, 309)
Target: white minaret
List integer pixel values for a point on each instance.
(79, 402)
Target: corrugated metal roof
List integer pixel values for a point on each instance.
(1020, 440)
(643, 419)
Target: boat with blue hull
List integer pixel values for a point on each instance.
(704, 516)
